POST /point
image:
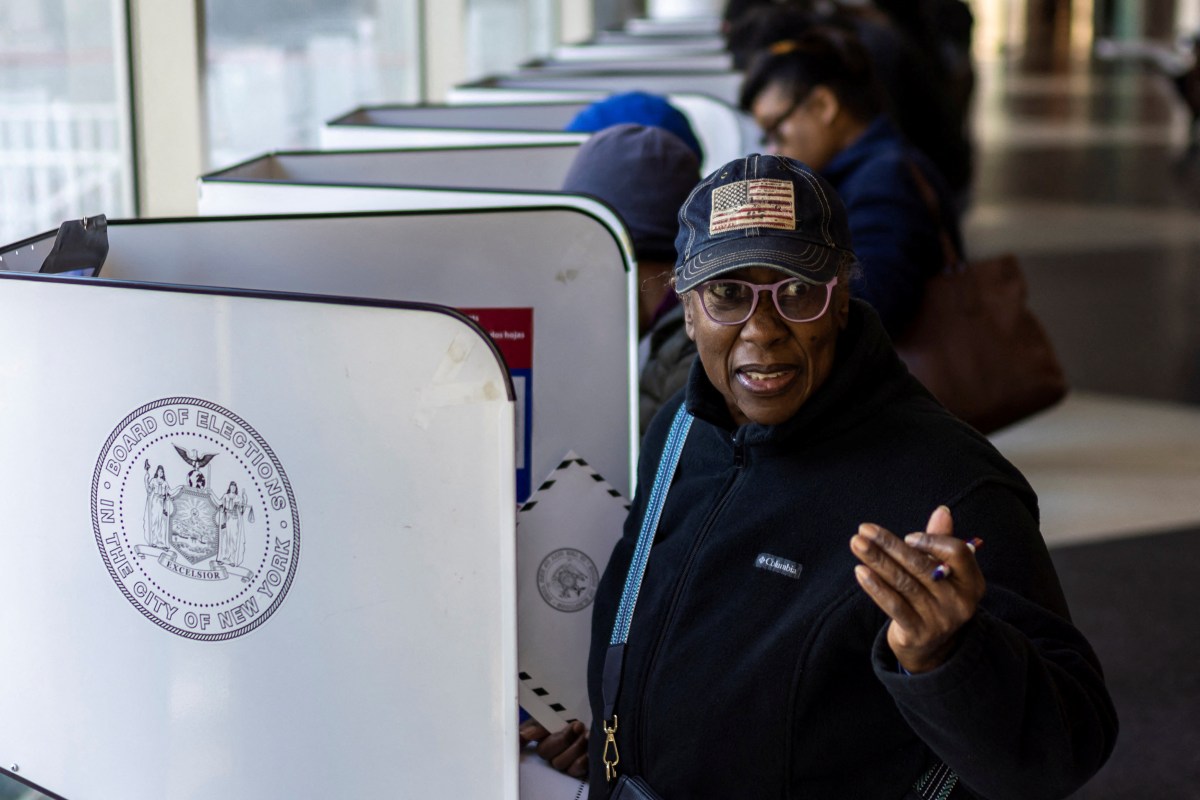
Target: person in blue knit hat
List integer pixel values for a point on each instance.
(637, 108)
(646, 173)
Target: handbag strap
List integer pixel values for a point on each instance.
(658, 496)
(937, 783)
(951, 258)
(614, 659)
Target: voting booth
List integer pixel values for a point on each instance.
(686, 10)
(702, 38)
(551, 284)
(709, 99)
(618, 50)
(639, 49)
(236, 196)
(638, 54)
(723, 86)
(715, 62)
(442, 125)
(258, 545)
(488, 117)
(684, 26)
(535, 168)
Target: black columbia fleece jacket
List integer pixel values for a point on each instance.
(749, 678)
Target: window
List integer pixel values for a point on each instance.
(277, 70)
(542, 22)
(65, 130)
(502, 34)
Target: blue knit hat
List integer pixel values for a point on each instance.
(645, 174)
(639, 108)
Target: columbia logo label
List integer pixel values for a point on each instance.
(780, 566)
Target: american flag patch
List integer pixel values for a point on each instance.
(758, 203)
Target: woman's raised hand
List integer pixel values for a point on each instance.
(928, 583)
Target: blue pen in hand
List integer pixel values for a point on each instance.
(942, 570)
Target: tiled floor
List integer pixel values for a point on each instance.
(1106, 466)
(1082, 175)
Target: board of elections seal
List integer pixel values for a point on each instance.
(195, 519)
(567, 579)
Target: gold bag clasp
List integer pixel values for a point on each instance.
(610, 748)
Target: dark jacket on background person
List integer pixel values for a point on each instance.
(744, 682)
(896, 236)
(921, 102)
(668, 363)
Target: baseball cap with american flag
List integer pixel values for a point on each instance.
(761, 211)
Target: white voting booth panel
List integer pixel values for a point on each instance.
(478, 119)
(721, 85)
(643, 49)
(445, 125)
(691, 38)
(684, 26)
(337, 627)
(228, 198)
(684, 9)
(537, 168)
(714, 62)
(565, 267)
(532, 117)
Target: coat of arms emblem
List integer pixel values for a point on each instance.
(207, 549)
(193, 522)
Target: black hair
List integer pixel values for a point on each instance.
(763, 26)
(736, 9)
(821, 56)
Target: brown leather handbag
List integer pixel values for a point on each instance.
(975, 344)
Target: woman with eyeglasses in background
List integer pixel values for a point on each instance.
(816, 99)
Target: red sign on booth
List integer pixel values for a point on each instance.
(512, 331)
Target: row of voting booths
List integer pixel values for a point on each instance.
(270, 472)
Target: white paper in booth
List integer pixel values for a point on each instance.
(565, 534)
(540, 781)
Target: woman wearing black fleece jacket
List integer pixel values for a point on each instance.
(745, 682)
(780, 648)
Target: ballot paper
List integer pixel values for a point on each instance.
(565, 534)
(540, 781)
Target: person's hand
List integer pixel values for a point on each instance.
(926, 613)
(566, 750)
